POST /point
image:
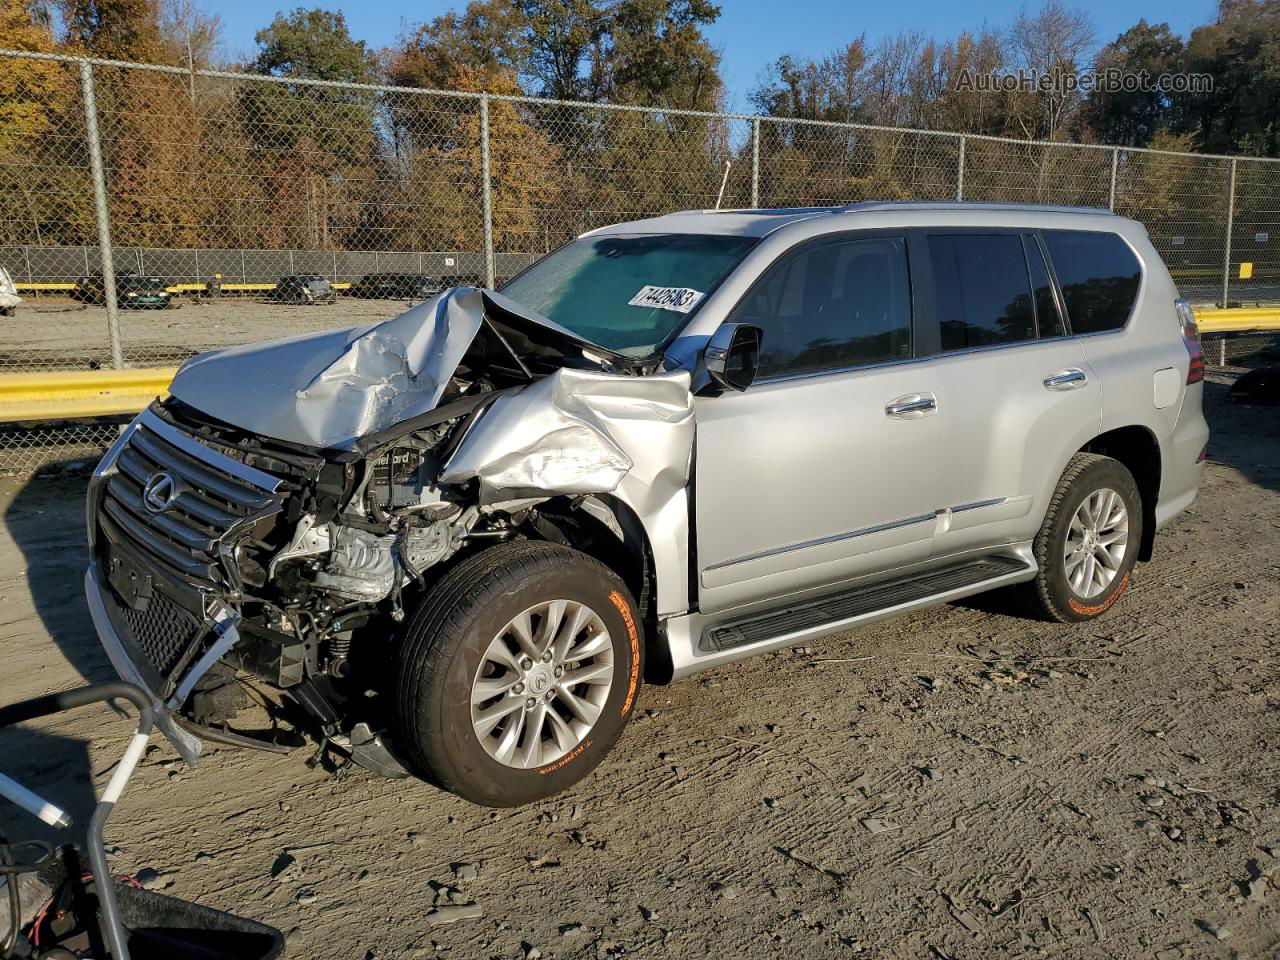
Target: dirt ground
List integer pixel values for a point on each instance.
(959, 783)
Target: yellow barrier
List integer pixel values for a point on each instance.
(79, 394)
(1237, 321)
(172, 288)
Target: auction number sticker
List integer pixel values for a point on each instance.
(679, 299)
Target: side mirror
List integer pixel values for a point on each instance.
(732, 355)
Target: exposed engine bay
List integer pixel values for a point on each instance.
(390, 452)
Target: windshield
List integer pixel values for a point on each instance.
(627, 293)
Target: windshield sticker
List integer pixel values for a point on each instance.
(679, 299)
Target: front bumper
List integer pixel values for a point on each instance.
(168, 634)
(95, 591)
(225, 635)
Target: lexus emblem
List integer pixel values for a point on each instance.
(160, 492)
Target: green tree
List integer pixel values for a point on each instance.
(1132, 118)
(1240, 52)
(313, 149)
(649, 52)
(313, 45)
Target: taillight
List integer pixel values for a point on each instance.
(1191, 340)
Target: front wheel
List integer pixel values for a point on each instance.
(1088, 544)
(517, 673)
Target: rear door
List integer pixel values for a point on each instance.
(823, 469)
(1016, 395)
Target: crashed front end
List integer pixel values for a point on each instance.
(283, 509)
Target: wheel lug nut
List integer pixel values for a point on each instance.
(558, 672)
(530, 703)
(525, 663)
(546, 657)
(518, 688)
(551, 695)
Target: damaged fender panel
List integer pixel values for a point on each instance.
(582, 432)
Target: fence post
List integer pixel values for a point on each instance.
(489, 269)
(755, 163)
(1226, 256)
(100, 206)
(1115, 163)
(960, 173)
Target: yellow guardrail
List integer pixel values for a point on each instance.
(27, 397)
(78, 394)
(1238, 320)
(173, 288)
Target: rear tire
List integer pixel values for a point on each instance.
(1088, 544)
(517, 673)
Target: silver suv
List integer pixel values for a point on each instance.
(456, 542)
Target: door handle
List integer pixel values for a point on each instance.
(1068, 379)
(911, 407)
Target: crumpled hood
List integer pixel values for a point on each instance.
(330, 389)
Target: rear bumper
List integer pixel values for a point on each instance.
(1180, 459)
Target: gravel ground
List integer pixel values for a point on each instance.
(959, 783)
(61, 333)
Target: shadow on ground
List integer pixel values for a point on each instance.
(52, 541)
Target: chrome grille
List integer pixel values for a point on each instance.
(211, 498)
(163, 631)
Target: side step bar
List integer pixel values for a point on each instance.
(832, 612)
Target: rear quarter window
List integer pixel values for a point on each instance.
(1099, 276)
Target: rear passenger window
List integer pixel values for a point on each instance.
(833, 306)
(1099, 277)
(983, 292)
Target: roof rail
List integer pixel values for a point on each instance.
(866, 205)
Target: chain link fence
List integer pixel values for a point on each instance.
(217, 185)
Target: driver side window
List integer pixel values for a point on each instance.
(833, 306)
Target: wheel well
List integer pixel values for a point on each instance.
(1136, 447)
(588, 527)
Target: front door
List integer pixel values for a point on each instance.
(824, 469)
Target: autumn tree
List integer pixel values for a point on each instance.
(114, 29)
(43, 160)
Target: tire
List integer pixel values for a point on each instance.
(1058, 593)
(455, 641)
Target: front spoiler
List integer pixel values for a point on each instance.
(226, 636)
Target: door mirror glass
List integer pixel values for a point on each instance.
(732, 355)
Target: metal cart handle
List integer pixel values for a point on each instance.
(69, 700)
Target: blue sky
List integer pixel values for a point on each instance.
(752, 33)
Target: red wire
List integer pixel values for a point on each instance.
(43, 913)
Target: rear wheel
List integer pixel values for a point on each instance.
(1088, 545)
(517, 673)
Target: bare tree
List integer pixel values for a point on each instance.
(192, 36)
(1053, 42)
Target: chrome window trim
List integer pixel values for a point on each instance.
(1001, 346)
(220, 461)
(823, 541)
(853, 369)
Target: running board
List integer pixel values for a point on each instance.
(835, 611)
